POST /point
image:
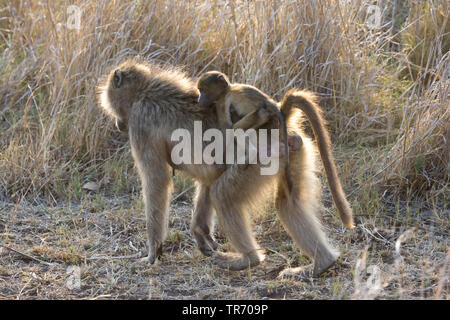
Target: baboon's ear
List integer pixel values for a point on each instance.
(117, 78)
(222, 80)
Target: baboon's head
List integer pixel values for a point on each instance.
(212, 85)
(118, 91)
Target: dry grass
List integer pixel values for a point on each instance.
(420, 158)
(385, 91)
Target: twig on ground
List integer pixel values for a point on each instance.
(278, 254)
(183, 192)
(133, 256)
(26, 255)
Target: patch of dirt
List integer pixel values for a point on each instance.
(40, 246)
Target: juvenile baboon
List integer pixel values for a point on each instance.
(152, 102)
(253, 106)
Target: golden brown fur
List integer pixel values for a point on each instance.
(152, 102)
(253, 107)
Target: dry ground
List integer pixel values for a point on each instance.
(402, 254)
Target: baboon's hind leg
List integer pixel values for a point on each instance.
(232, 195)
(305, 229)
(299, 212)
(202, 225)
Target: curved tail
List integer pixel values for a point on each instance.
(306, 101)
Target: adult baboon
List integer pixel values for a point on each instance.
(152, 102)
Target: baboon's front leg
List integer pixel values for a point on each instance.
(202, 225)
(156, 188)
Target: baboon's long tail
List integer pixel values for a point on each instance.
(306, 101)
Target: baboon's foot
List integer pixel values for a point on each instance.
(205, 243)
(309, 271)
(236, 261)
(320, 266)
(153, 254)
(147, 260)
(299, 273)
